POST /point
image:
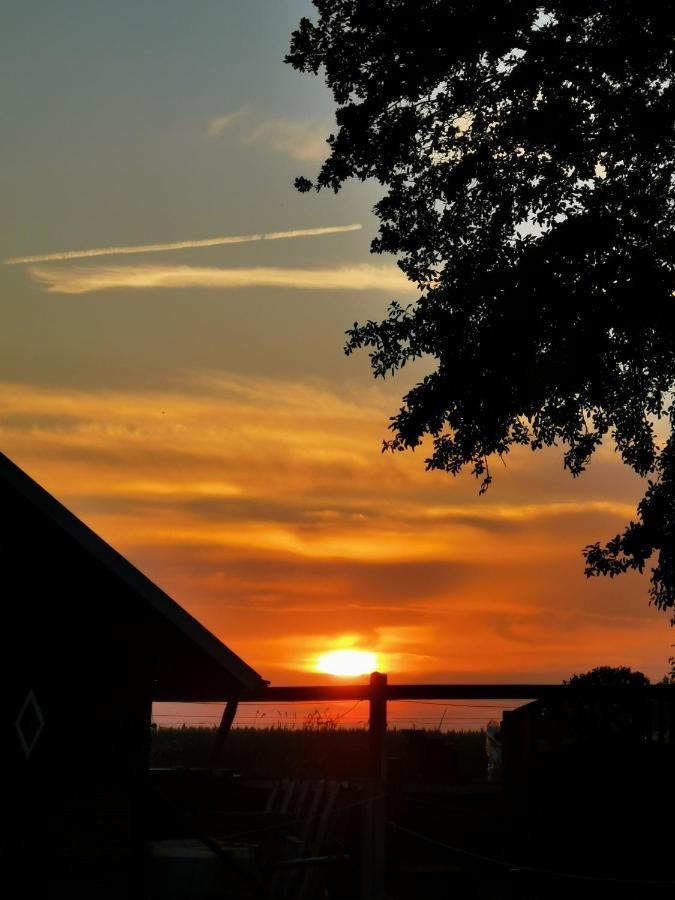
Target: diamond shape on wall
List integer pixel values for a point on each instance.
(29, 723)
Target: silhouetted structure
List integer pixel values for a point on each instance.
(89, 643)
(615, 744)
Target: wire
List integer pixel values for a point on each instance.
(260, 702)
(466, 705)
(272, 718)
(481, 813)
(448, 726)
(324, 703)
(552, 873)
(351, 709)
(396, 718)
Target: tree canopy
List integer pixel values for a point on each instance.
(526, 151)
(609, 676)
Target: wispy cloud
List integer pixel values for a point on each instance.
(182, 245)
(85, 279)
(302, 139)
(218, 124)
(285, 466)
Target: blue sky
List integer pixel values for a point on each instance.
(111, 137)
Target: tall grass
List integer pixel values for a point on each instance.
(322, 750)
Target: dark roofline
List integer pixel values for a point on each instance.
(38, 497)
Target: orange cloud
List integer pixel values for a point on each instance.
(267, 509)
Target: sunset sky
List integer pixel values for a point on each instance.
(194, 405)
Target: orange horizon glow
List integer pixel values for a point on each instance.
(325, 544)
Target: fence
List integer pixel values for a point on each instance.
(576, 714)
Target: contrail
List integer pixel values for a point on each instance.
(182, 245)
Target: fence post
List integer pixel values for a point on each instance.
(375, 807)
(229, 713)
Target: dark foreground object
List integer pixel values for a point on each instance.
(581, 825)
(578, 824)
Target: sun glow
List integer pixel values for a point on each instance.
(347, 662)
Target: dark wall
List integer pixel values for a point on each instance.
(78, 639)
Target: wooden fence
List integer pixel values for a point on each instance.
(653, 706)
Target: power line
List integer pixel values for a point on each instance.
(351, 709)
(327, 704)
(391, 720)
(465, 705)
(217, 718)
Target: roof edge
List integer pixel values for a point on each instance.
(41, 499)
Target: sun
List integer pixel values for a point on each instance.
(347, 662)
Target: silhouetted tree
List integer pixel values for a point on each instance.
(615, 716)
(609, 676)
(669, 677)
(527, 152)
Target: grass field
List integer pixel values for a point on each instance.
(457, 756)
